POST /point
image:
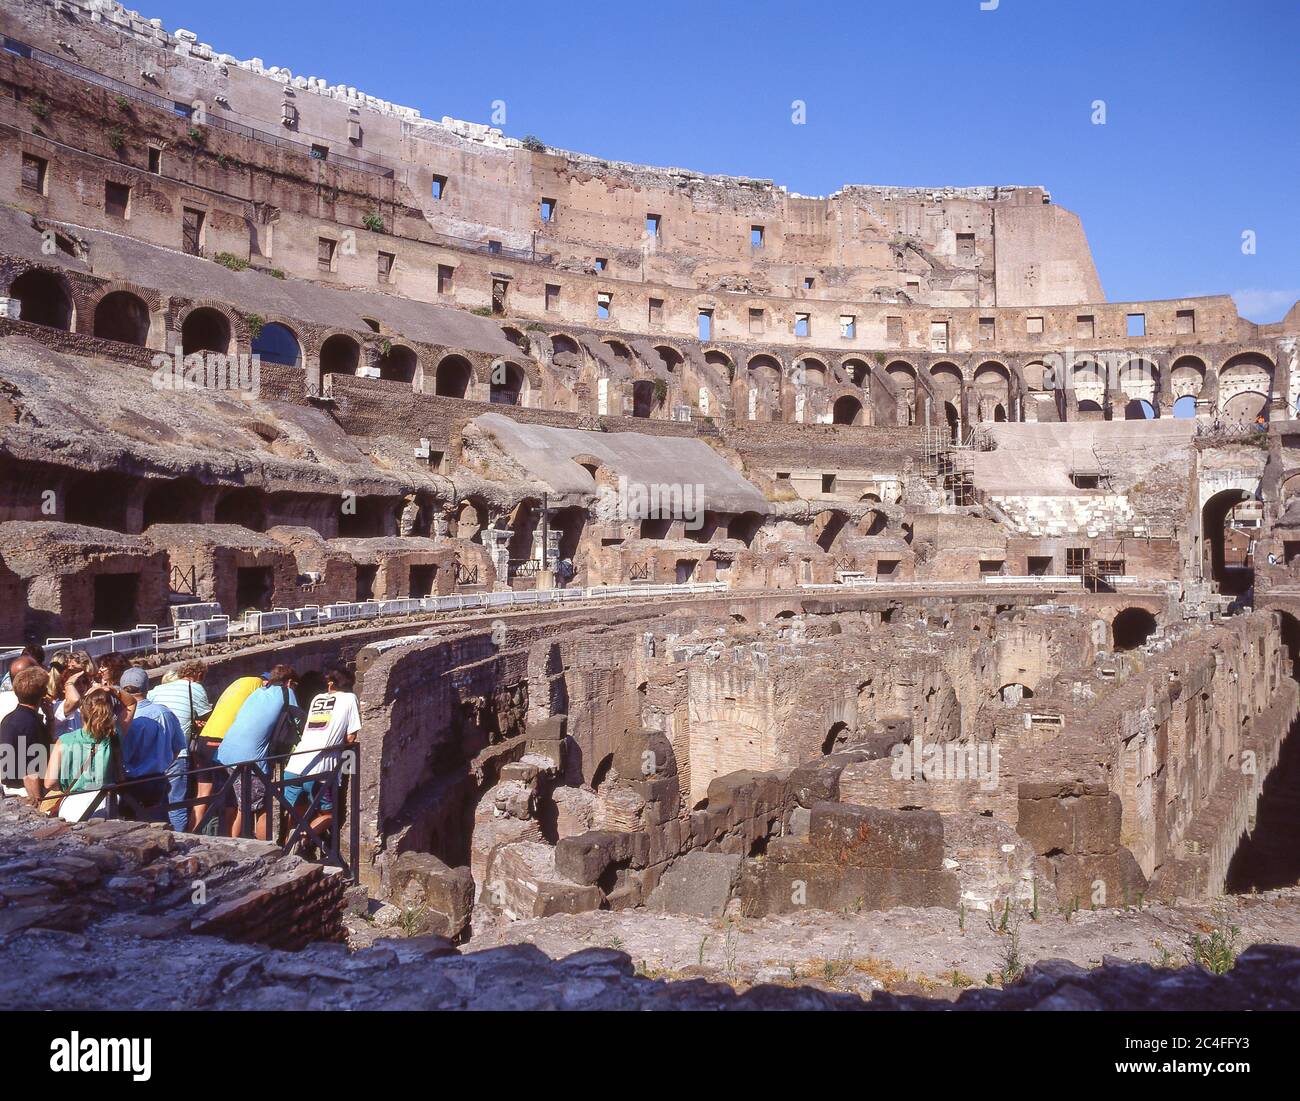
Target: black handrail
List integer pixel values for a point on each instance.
(342, 784)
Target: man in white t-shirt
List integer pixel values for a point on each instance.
(333, 722)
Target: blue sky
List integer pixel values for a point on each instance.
(1202, 100)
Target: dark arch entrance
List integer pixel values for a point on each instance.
(244, 507)
(836, 738)
(1268, 856)
(172, 502)
(122, 316)
(1226, 549)
(205, 330)
(847, 410)
(339, 355)
(398, 364)
(43, 299)
(452, 378)
(1131, 628)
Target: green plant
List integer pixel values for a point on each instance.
(116, 139)
(1164, 957)
(123, 104)
(961, 917)
(661, 391)
(1217, 953)
(386, 346)
(275, 273)
(255, 324)
(373, 222)
(481, 311)
(196, 135)
(703, 941)
(1013, 964)
(412, 920)
(40, 107)
(533, 143)
(223, 160)
(231, 261)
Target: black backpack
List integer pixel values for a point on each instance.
(288, 727)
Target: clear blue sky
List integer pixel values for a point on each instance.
(1201, 142)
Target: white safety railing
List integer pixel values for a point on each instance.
(193, 631)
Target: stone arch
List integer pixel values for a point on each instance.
(1131, 627)
(828, 526)
(122, 316)
(172, 501)
(562, 344)
(1139, 379)
(644, 398)
(621, 352)
(206, 329)
(244, 506)
(44, 298)
(507, 383)
(1187, 377)
(398, 363)
(809, 371)
(857, 370)
(340, 354)
(669, 357)
(1215, 514)
(276, 343)
(847, 410)
(1245, 385)
(453, 377)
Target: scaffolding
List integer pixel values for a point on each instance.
(948, 464)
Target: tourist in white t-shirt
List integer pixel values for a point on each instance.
(333, 722)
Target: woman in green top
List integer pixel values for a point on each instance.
(79, 760)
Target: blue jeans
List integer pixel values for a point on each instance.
(178, 789)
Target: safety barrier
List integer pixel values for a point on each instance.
(150, 638)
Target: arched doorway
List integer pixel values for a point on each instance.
(1138, 409)
(122, 316)
(339, 355)
(506, 385)
(43, 299)
(397, 364)
(1226, 543)
(1185, 407)
(244, 507)
(205, 330)
(452, 378)
(1131, 628)
(847, 410)
(172, 502)
(276, 343)
(643, 398)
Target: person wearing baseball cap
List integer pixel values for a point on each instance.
(152, 746)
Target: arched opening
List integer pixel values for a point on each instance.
(1139, 380)
(397, 364)
(1268, 855)
(97, 501)
(244, 507)
(1131, 628)
(43, 299)
(827, 527)
(620, 351)
(999, 414)
(836, 738)
(339, 355)
(507, 384)
(847, 410)
(172, 502)
(992, 391)
(1246, 407)
(671, 358)
(205, 330)
(471, 519)
(1185, 407)
(565, 351)
(810, 371)
(953, 419)
(1012, 694)
(857, 371)
(1089, 407)
(643, 398)
(744, 527)
(873, 523)
(1245, 383)
(1138, 410)
(523, 524)
(122, 316)
(452, 378)
(764, 373)
(1227, 542)
(276, 343)
(569, 522)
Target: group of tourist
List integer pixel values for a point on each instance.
(77, 725)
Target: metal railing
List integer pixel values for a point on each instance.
(152, 638)
(185, 110)
(339, 786)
